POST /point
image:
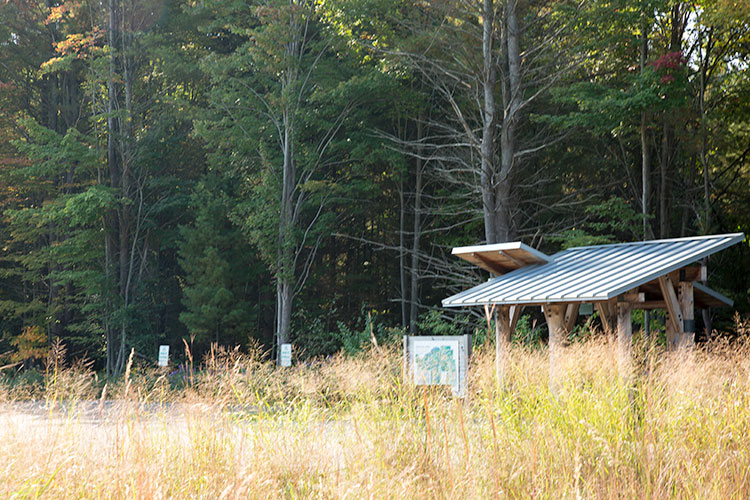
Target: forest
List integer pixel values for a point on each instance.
(254, 172)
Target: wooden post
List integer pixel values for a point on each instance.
(673, 336)
(608, 316)
(515, 315)
(571, 315)
(624, 339)
(502, 342)
(687, 306)
(555, 316)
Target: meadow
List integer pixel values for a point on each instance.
(350, 427)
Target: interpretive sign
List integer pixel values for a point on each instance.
(285, 355)
(163, 355)
(438, 361)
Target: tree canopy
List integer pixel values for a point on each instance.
(269, 171)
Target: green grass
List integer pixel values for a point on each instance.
(350, 428)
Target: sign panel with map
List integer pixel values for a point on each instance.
(439, 360)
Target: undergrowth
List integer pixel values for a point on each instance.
(350, 427)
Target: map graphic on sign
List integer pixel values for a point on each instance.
(436, 362)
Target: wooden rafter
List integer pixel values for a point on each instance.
(511, 258)
(488, 264)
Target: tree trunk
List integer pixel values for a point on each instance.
(645, 151)
(402, 253)
(665, 181)
(487, 147)
(503, 182)
(668, 138)
(285, 263)
(284, 297)
(414, 300)
(114, 171)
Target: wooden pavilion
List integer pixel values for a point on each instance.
(615, 278)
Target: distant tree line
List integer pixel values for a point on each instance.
(269, 171)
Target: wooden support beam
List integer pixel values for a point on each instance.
(649, 304)
(687, 307)
(607, 315)
(571, 314)
(690, 273)
(503, 334)
(555, 316)
(673, 335)
(632, 296)
(515, 314)
(673, 304)
(624, 339)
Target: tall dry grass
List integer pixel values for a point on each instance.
(350, 428)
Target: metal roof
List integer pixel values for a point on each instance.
(501, 258)
(593, 273)
(709, 297)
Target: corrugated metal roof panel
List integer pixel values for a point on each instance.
(709, 297)
(601, 272)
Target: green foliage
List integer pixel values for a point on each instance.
(355, 340)
(221, 272)
(611, 221)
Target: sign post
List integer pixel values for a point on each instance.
(163, 355)
(285, 355)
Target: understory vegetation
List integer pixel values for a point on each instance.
(350, 427)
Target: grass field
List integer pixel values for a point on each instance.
(350, 428)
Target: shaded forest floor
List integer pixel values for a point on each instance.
(349, 428)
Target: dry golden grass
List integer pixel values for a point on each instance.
(349, 428)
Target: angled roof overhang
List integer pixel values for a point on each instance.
(501, 258)
(593, 273)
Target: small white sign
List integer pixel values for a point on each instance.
(163, 355)
(285, 355)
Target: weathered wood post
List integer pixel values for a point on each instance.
(555, 316)
(673, 335)
(608, 316)
(624, 340)
(502, 342)
(687, 306)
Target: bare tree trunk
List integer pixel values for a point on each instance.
(688, 202)
(114, 171)
(414, 300)
(704, 65)
(285, 297)
(678, 21)
(503, 184)
(125, 224)
(665, 179)
(402, 253)
(487, 147)
(645, 151)
(285, 272)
